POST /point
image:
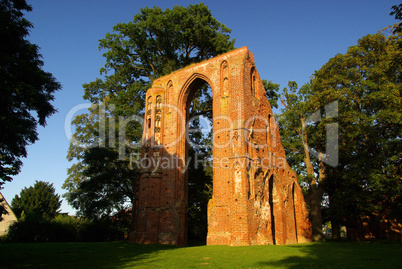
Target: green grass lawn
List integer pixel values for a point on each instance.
(129, 255)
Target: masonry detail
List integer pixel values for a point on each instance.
(256, 197)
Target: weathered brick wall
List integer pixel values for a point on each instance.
(256, 197)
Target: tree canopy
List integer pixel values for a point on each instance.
(41, 200)
(365, 84)
(26, 89)
(157, 42)
(110, 187)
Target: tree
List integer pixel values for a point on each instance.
(40, 200)
(271, 91)
(297, 141)
(154, 44)
(366, 84)
(105, 192)
(25, 88)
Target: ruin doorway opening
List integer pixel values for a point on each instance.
(294, 200)
(199, 157)
(273, 206)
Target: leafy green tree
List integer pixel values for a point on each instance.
(40, 200)
(271, 91)
(154, 44)
(157, 42)
(366, 84)
(297, 139)
(26, 89)
(105, 192)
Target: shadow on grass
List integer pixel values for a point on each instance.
(196, 243)
(78, 255)
(341, 255)
(129, 255)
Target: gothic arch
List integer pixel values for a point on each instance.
(234, 216)
(185, 91)
(273, 203)
(185, 97)
(294, 202)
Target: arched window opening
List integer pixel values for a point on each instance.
(252, 79)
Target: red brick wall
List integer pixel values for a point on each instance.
(256, 197)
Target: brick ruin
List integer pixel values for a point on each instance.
(256, 197)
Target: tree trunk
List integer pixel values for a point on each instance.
(351, 233)
(316, 217)
(316, 192)
(336, 230)
(134, 207)
(353, 230)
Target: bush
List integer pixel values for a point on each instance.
(29, 228)
(62, 228)
(3, 238)
(67, 228)
(100, 231)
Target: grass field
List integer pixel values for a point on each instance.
(128, 255)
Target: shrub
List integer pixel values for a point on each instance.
(63, 228)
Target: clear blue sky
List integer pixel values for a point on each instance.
(289, 39)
